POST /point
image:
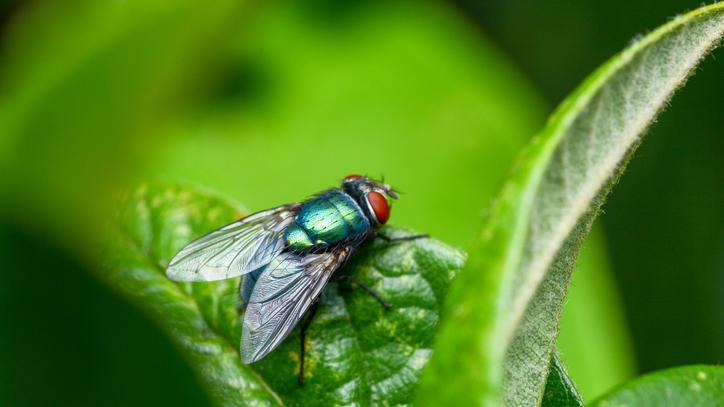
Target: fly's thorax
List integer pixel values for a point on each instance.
(328, 219)
(298, 239)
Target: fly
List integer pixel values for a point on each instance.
(287, 256)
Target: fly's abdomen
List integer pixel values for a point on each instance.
(328, 219)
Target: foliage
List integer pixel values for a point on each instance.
(501, 324)
(446, 128)
(527, 251)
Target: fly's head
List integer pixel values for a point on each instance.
(374, 197)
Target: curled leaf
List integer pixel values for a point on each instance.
(503, 313)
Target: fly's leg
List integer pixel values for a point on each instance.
(402, 238)
(369, 290)
(302, 336)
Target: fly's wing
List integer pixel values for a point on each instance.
(284, 291)
(235, 249)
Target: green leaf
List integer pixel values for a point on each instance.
(502, 320)
(697, 385)
(356, 351)
(560, 390)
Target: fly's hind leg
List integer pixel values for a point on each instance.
(302, 337)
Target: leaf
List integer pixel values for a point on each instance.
(560, 390)
(356, 351)
(503, 312)
(697, 385)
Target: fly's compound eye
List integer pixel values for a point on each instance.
(379, 205)
(351, 177)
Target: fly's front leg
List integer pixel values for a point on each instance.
(367, 288)
(302, 336)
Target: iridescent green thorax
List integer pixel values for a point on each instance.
(330, 218)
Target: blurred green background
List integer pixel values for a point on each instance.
(269, 103)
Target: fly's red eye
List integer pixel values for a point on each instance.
(351, 177)
(379, 205)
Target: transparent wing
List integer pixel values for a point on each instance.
(235, 249)
(283, 292)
